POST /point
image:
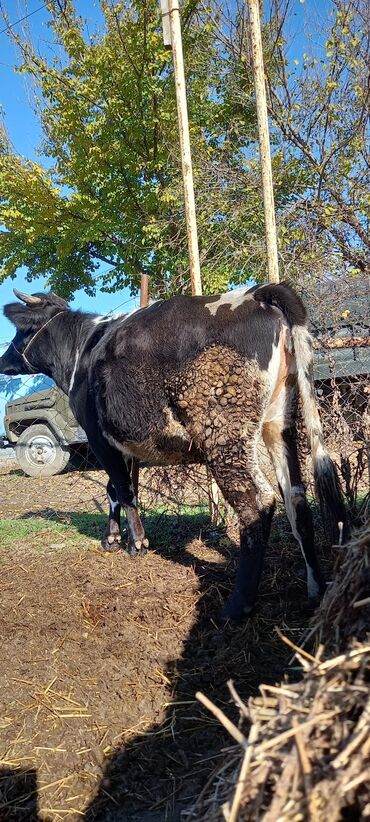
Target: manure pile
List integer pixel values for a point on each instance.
(303, 749)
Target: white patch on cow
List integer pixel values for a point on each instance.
(290, 494)
(276, 409)
(99, 320)
(313, 588)
(73, 372)
(297, 491)
(113, 503)
(279, 403)
(124, 450)
(120, 315)
(132, 490)
(282, 474)
(233, 299)
(302, 342)
(302, 345)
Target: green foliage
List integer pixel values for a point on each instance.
(112, 190)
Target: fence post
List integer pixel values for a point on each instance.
(264, 140)
(172, 37)
(144, 299)
(183, 124)
(144, 290)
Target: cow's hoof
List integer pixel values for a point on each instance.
(112, 542)
(137, 548)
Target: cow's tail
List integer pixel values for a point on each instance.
(326, 478)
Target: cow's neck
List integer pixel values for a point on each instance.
(78, 335)
(65, 339)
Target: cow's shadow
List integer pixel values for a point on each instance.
(19, 795)
(158, 774)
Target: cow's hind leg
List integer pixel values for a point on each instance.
(137, 541)
(243, 486)
(282, 447)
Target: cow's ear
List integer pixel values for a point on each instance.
(23, 317)
(55, 300)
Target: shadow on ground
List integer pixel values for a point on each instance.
(18, 795)
(161, 772)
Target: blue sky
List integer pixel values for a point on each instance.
(16, 108)
(25, 134)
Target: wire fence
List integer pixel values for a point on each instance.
(58, 477)
(339, 314)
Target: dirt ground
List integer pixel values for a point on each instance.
(101, 656)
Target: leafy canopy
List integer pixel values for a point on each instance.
(111, 190)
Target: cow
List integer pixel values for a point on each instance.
(211, 379)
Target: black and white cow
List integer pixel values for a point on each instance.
(210, 379)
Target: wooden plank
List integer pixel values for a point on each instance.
(341, 342)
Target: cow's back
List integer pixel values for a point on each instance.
(169, 334)
(147, 370)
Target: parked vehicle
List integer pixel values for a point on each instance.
(44, 433)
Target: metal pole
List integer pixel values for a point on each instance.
(183, 123)
(264, 141)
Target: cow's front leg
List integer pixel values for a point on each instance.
(112, 535)
(122, 487)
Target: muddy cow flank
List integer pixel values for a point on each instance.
(207, 379)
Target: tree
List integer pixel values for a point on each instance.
(112, 192)
(322, 116)
(318, 115)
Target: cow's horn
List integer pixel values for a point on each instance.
(27, 298)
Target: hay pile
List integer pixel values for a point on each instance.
(307, 755)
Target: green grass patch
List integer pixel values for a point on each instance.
(17, 530)
(12, 530)
(163, 527)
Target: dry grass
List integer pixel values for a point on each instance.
(307, 752)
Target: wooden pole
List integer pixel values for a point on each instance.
(144, 299)
(166, 23)
(264, 141)
(144, 290)
(172, 37)
(183, 123)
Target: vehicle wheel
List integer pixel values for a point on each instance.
(39, 453)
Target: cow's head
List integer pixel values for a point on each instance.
(30, 350)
